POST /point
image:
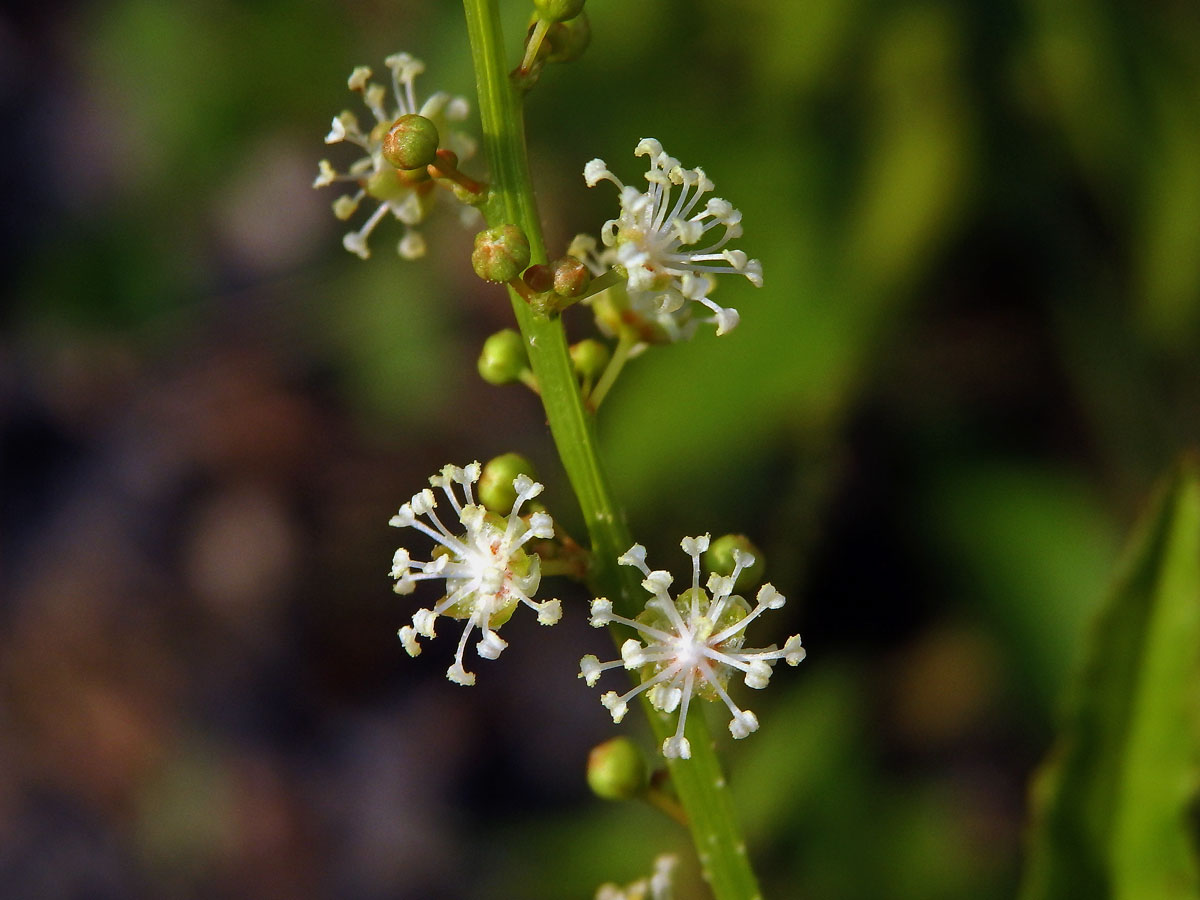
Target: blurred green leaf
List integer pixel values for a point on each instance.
(1168, 267)
(1113, 805)
(1029, 545)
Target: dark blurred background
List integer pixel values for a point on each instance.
(976, 348)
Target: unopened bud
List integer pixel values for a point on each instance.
(616, 770)
(411, 143)
(589, 358)
(500, 254)
(566, 41)
(496, 491)
(385, 185)
(503, 357)
(571, 277)
(719, 558)
(558, 10)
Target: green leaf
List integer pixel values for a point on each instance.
(1115, 804)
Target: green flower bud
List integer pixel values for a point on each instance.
(571, 277)
(558, 10)
(385, 185)
(411, 142)
(616, 770)
(500, 254)
(540, 278)
(503, 358)
(496, 483)
(589, 358)
(567, 40)
(719, 558)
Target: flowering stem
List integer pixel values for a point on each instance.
(625, 343)
(698, 781)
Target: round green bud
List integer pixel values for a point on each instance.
(386, 185)
(496, 482)
(558, 10)
(589, 358)
(719, 558)
(571, 277)
(503, 357)
(500, 254)
(411, 142)
(566, 41)
(616, 770)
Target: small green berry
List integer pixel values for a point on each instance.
(719, 558)
(411, 142)
(503, 358)
(496, 491)
(616, 770)
(589, 358)
(500, 254)
(558, 10)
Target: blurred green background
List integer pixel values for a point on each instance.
(976, 348)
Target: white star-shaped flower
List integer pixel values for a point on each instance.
(486, 568)
(665, 243)
(690, 645)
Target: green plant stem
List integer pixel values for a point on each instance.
(698, 781)
(625, 344)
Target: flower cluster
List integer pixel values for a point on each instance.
(689, 645)
(487, 569)
(656, 887)
(664, 244)
(407, 195)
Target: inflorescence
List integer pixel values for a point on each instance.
(656, 887)
(689, 645)
(664, 244)
(406, 194)
(487, 569)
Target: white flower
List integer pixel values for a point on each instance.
(407, 198)
(690, 645)
(657, 887)
(486, 569)
(666, 245)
